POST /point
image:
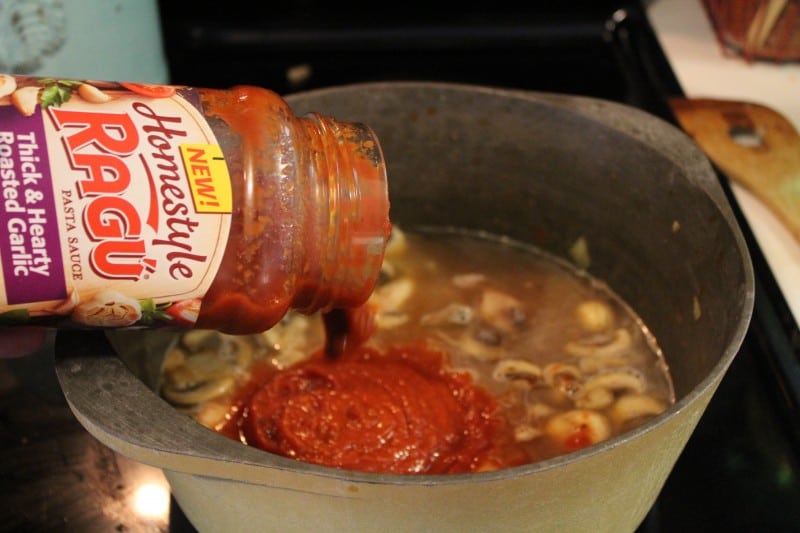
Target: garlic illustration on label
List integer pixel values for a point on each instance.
(108, 309)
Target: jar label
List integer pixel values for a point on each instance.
(116, 203)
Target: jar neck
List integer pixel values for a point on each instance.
(350, 214)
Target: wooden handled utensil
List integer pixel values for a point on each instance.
(753, 145)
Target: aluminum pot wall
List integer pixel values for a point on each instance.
(545, 169)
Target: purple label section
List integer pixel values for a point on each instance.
(30, 250)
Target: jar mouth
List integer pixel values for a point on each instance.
(358, 213)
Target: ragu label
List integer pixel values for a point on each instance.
(116, 205)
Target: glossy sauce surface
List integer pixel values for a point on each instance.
(398, 411)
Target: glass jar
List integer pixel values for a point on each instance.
(138, 205)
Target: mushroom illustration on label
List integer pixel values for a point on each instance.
(108, 308)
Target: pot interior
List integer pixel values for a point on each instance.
(549, 170)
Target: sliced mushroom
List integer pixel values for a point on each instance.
(394, 294)
(578, 428)
(620, 381)
(600, 347)
(213, 414)
(292, 326)
(539, 410)
(174, 359)
(197, 340)
(636, 406)
(595, 398)
(390, 319)
(241, 350)
(563, 377)
(468, 281)
(595, 365)
(454, 314)
(397, 243)
(517, 369)
(579, 251)
(198, 392)
(202, 367)
(501, 310)
(595, 315)
(293, 339)
(526, 433)
(488, 336)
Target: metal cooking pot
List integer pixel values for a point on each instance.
(542, 168)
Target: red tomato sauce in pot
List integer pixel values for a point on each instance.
(397, 411)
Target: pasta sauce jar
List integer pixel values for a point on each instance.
(131, 205)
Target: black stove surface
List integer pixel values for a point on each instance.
(739, 471)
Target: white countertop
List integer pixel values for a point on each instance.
(704, 70)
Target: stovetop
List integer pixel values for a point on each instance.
(739, 471)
